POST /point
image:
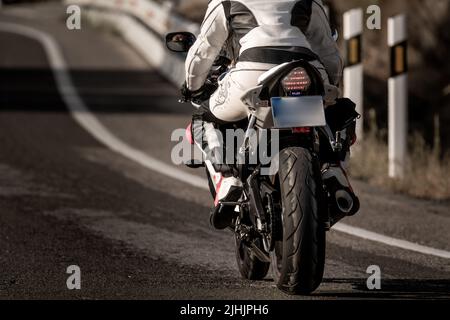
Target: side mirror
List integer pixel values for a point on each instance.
(180, 41)
(335, 35)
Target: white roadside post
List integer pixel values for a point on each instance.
(398, 96)
(353, 72)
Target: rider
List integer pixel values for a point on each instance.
(257, 37)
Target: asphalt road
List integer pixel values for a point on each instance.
(67, 199)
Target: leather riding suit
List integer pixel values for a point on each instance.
(257, 35)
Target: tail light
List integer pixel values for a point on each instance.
(302, 130)
(296, 82)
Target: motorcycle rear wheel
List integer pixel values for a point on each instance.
(298, 260)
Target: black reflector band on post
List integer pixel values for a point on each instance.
(354, 51)
(399, 59)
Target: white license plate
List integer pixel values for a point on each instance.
(297, 112)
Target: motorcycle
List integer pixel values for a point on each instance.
(284, 216)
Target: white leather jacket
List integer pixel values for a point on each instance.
(263, 31)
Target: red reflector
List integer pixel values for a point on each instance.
(301, 130)
(354, 139)
(189, 137)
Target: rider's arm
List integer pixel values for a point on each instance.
(201, 56)
(320, 37)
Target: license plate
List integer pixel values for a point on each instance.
(295, 112)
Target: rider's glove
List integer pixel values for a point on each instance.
(185, 92)
(188, 94)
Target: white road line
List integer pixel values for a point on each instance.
(87, 120)
(393, 242)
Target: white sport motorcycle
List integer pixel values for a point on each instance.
(283, 217)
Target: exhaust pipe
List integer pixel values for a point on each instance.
(343, 205)
(344, 201)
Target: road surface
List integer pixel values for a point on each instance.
(66, 198)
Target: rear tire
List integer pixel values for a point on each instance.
(298, 260)
(250, 267)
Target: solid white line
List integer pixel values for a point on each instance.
(393, 242)
(89, 122)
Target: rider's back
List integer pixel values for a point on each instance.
(260, 26)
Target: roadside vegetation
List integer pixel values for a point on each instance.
(427, 172)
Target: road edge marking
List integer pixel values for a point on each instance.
(393, 242)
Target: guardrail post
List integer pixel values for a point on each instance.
(398, 95)
(353, 72)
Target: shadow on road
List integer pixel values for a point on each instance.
(423, 289)
(111, 91)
